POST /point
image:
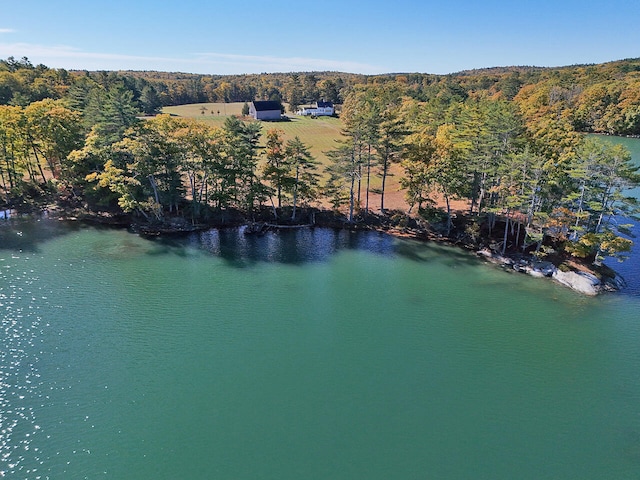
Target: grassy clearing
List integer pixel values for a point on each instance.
(205, 111)
(320, 135)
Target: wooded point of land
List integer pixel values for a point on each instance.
(503, 143)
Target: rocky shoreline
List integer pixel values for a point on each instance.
(586, 281)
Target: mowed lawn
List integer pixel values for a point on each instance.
(319, 135)
(206, 111)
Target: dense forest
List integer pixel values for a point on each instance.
(602, 98)
(506, 141)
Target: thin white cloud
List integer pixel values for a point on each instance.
(7, 30)
(65, 52)
(286, 63)
(215, 63)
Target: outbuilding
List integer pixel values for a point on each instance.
(265, 110)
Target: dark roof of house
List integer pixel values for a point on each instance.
(264, 106)
(325, 104)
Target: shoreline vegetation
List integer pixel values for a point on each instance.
(493, 160)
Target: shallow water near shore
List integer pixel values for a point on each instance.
(308, 354)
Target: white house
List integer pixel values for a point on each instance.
(319, 109)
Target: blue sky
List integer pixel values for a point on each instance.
(248, 36)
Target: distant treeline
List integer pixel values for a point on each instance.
(602, 98)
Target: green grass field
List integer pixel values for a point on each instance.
(318, 134)
(205, 111)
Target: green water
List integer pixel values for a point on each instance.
(303, 355)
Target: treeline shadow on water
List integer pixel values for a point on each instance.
(27, 234)
(428, 251)
(308, 245)
(294, 247)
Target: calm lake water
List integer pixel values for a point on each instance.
(304, 355)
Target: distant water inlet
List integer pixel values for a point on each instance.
(629, 269)
(303, 354)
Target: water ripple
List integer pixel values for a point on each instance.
(21, 330)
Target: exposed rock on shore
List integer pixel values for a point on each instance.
(589, 283)
(582, 282)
